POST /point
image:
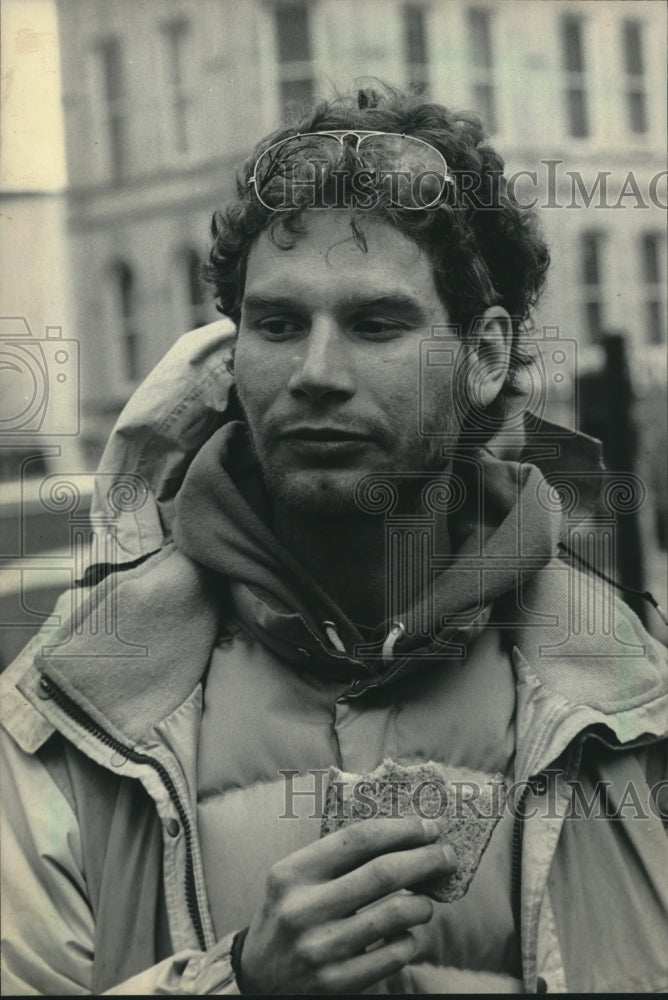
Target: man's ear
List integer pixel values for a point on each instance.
(489, 357)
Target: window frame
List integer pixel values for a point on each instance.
(576, 89)
(293, 71)
(483, 72)
(178, 88)
(112, 111)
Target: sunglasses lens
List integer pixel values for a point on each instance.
(385, 169)
(289, 173)
(417, 171)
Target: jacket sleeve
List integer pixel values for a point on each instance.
(48, 928)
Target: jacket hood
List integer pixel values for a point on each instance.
(222, 521)
(175, 421)
(130, 677)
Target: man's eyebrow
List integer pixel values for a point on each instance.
(256, 301)
(389, 301)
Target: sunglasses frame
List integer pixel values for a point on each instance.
(360, 134)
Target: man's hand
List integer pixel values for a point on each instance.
(310, 931)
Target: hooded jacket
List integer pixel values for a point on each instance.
(105, 887)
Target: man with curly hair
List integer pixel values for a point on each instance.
(346, 558)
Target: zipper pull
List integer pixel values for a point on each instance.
(44, 690)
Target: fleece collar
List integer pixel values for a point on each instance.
(170, 609)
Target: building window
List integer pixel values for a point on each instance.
(634, 70)
(114, 106)
(591, 270)
(293, 45)
(177, 99)
(482, 63)
(125, 303)
(415, 48)
(652, 271)
(574, 65)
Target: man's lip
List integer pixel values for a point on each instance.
(323, 434)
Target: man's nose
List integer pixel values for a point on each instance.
(323, 367)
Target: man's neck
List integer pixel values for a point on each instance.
(347, 556)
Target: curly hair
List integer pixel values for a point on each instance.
(483, 247)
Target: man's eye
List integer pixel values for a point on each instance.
(378, 328)
(279, 327)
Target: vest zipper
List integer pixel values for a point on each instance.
(71, 709)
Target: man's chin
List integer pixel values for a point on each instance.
(313, 493)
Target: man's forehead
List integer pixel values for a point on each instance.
(375, 255)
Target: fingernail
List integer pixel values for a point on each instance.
(432, 828)
(450, 855)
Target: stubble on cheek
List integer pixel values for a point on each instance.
(435, 426)
(302, 490)
(407, 441)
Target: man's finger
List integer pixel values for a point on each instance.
(343, 939)
(355, 974)
(386, 874)
(346, 849)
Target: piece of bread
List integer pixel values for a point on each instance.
(467, 804)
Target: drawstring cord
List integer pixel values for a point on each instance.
(649, 597)
(398, 629)
(333, 636)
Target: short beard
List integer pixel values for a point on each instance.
(430, 453)
(327, 496)
(323, 497)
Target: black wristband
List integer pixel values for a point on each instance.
(235, 956)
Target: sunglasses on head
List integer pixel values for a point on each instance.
(350, 169)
